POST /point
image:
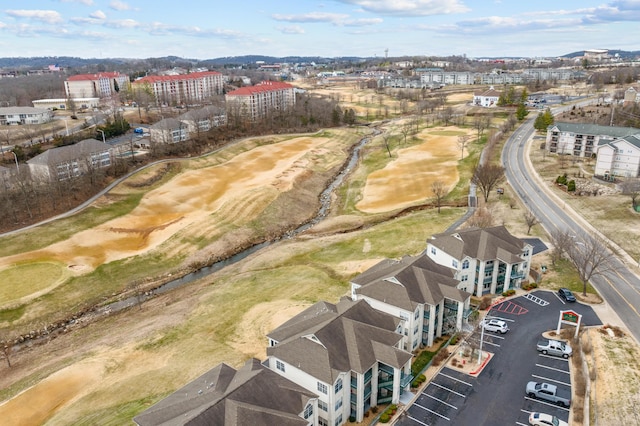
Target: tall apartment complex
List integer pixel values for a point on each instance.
(99, 85)
(183, 88)
(258, 101)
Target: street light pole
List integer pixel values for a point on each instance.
(102, 131)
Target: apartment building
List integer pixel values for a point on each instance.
(256, 102)
(182, 89)
(204, 119)
(169, 130)
(422, 293)
(619, 157)
(99, 85)
(71, 161)
(349, 354)
(24, 115)
(580, 139)
(487, 260)
(252, 395)
(486, 98)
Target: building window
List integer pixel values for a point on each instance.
(417, 314)
(322, 405)
(465, 264)
(322, 388)
(308, 411)
(322, 422)
(280, 365)
(454, 263)
(433, 250)
(338, 404)
(338, 387)
(339, 420)
(464, 278)
(526, 253)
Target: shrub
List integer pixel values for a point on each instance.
(454, 339)
(374, 409)
(509, 292)
(485, 303)
(384, 418)
(571, 186)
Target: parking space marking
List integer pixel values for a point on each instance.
(439, 400)
(456, 379)
(547, 403)
(552, 368)
(536, 299)
(431, 411)
(497, 336)
(500, 318)
(510, 308)
(491, 343)
(546, 379)
(554, 357)
(417, 421)
(520, 424)
(446, 388)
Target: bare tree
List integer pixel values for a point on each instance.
(531, 220)
(482, 218)
(486, 177)
(463, 140)
(446, 115)
(386, 138)
(590, 257)
(561, 241)
(406, 130)
(7, 346)
(439, 190)
(631, 187)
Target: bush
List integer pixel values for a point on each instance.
(571, 186)
(418, 381)
(485, 303)
(384, 418)
(374, 409)
(509, 292)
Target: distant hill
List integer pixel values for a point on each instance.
(624, 54)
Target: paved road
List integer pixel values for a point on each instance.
(621, 288)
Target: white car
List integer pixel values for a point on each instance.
(495, 325)
(542, 419)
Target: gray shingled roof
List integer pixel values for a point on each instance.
(353, 340)
(63, 154)
(252, 395)
(481, 243)
(13, 110)
(632, 139)
(167, 123)
(595, 129)
(410, 282)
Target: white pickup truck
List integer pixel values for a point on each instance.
(554, 347)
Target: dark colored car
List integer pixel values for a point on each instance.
(566, 295)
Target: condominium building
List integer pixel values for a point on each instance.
(487, 260)
(183, 88)
(99, 85)
(256, 102)
(252, 395)
(619, 157)
(422, 293)
(580, 139)
(349, 354)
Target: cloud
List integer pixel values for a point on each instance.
(85, 2)
(409, 7)
(98, 14)
(362, 22)
(294, 29)
(47, 16)
(119, 5)
(311, 17)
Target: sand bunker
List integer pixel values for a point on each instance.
(407, 180)
(187, 199)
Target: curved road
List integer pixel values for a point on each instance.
(619, 288)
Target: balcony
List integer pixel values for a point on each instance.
(517, 274)
(405, 380)
(385, 400)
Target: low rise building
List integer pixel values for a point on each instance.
(24, 115)
(71, 161)
(169, 130)
(486, 98)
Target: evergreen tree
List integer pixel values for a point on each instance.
(521, 112)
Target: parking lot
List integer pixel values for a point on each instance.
(497, 395)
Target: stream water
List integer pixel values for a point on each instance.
(325, 205)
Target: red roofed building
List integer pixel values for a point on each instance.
(257, 101)
(99, 85)
(184, 88)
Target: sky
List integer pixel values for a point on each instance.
(206, 29)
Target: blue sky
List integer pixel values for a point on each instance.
(204, 29)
